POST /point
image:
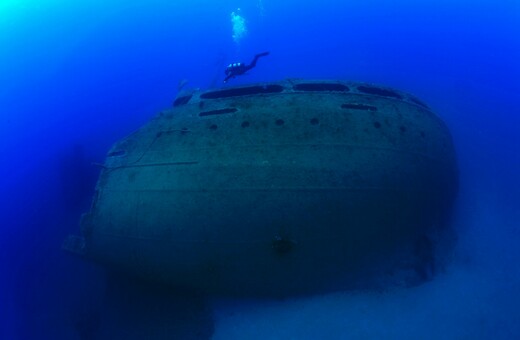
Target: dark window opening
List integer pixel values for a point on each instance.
(403, 129)
(245, 124)
(379, 91)
(213, 127)
(359, 107)
(117, 153)
(279, 122)
(242, 91)
(217, 112)
(321, 87)
(315, 121)
(377, 125)
(182, 100)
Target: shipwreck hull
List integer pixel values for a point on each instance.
(284, 188)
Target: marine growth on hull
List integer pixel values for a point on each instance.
(293, 187)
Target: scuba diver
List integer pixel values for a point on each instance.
(238, 69)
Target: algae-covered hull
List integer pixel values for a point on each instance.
(279, 188)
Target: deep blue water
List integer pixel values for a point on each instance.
(76, 76)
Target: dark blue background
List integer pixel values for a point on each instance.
(76, 76)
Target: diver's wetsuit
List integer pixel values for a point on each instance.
(238, 69)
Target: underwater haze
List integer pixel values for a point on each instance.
(77, 76)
